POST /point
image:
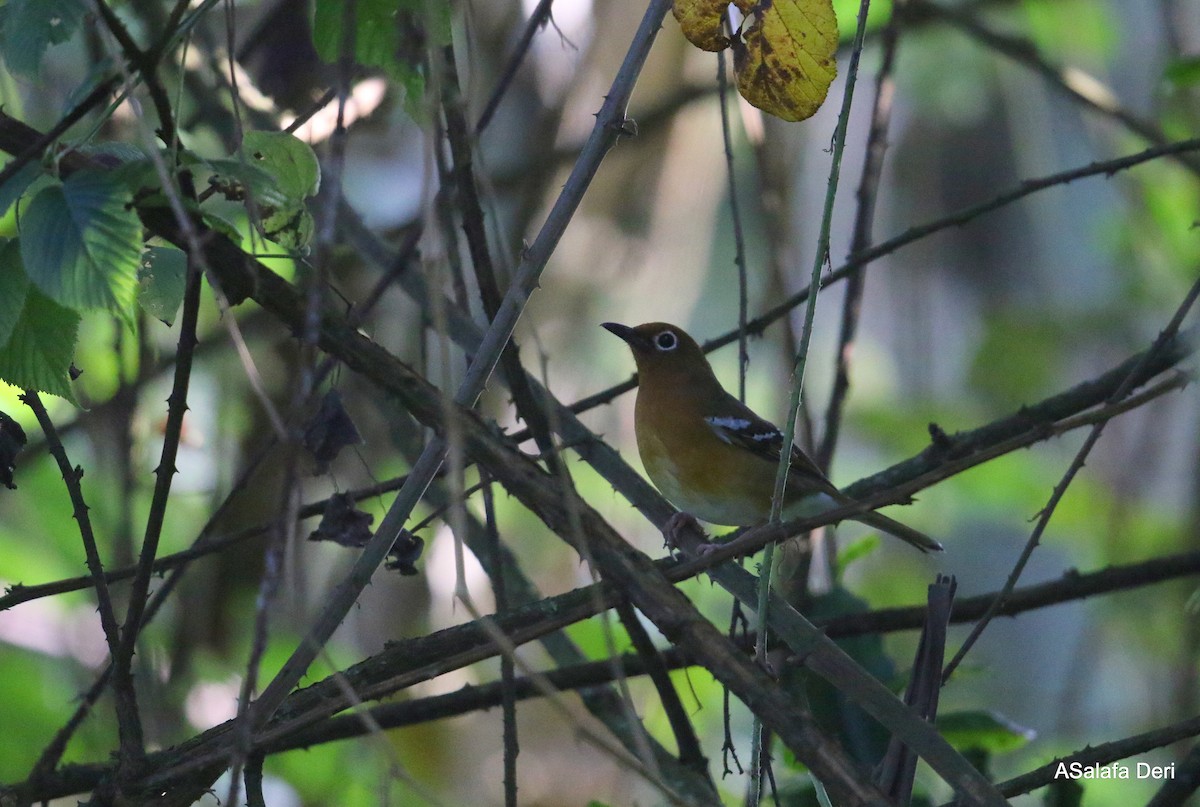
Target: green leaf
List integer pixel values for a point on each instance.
(81, 244)
(237, 180)
(29, 27)
(383, 37)
(162, 278)
(288, 159)
(39, 351)
(11, 190)
(280, 172)
(1183, 72)
(293, 165)
(858, 550)
(861, 735)
(222, 225)
(376, 34)
(13, 288)
(981, 729)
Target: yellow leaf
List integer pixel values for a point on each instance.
(701, 22)
(785, 59)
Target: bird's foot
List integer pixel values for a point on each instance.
(683, 533)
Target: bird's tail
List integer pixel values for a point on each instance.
(902, 531)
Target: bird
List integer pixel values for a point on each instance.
(708, 453)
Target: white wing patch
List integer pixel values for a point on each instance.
(731, 423)
(725, 426)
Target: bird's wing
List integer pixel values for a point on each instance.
(739, 426)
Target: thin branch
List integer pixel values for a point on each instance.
(690, 752)
(864, 220)
(27, 152)
(471, 210)
(537, 20)
(128, 721)
(1102, 754)
(735, 215)
(759, 324)
(609, 124)
(1123, 389)
(800, 363)
(164, 473)
(1072, 586)
(1075, 83)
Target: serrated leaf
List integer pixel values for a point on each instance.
(81, 243)
(288, 159)
(162, 279)
(785, 57)
(982, 729)
(29, 27)
(13, 288)
(38, 354)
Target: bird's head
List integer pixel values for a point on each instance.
(662, 350)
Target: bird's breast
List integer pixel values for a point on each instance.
(704, 476)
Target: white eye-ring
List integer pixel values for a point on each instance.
(666, 341)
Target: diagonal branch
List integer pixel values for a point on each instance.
(1122, 390)
(1077, 85)
(759, 324)
(609, 123)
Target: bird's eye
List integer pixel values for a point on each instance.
(666, 341)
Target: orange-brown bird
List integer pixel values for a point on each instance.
(707, 452)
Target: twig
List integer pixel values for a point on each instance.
(1102, 754)
(128, 721)
(1077, 85)
(735, 214)
(164, 473)
(508, 690)
(26, 153)
(1060, 489)
(536, 20)
(864, 220)
(468, 205)
(690, 752)
(605, 132)
(1070, 587)
(759, 324)
(820, 259)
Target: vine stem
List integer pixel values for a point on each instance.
(820, 259)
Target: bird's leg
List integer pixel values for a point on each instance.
(683, 532)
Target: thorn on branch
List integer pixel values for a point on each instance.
(940, 440)
(626, 128)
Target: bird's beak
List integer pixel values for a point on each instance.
(635, 340)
